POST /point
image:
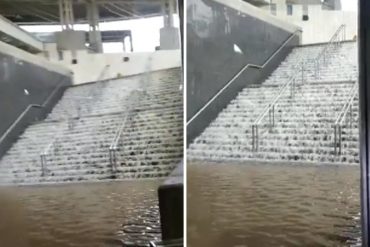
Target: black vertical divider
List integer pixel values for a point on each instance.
(364, 100)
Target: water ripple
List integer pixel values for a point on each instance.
(272, 205)
(100, 214)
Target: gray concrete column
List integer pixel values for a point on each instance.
(168, 11)
(68, 38)
(169, 35)
(66, 14)
(95, 39)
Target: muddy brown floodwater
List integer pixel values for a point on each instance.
(272, 205)
(94, 214)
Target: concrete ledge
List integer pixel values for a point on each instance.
(15, 32)
(251, 10)
(22, 55)
(171, 205)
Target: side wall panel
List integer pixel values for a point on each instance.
(22, 84)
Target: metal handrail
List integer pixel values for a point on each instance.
(335, 40)
(291, 83)
(28, 108)
(70, 122)
(134, 107)
(270, 108)
(19, 118)
(342, 116)
(43, 157)
(114, 145)
(249, 65)
(102, 73)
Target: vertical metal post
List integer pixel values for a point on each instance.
(302, 68)
(270, 118)
(350, 117)
(257, 138)
(340, 139)
(335, 140)
(43, 165)
(253, 137)
(344, 33)
(114, 161)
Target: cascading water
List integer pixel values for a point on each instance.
(303, 130)
(80, 151)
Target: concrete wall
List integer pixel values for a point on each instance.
(321, 24)
(26, 79)
(89, 66)
(222, 38)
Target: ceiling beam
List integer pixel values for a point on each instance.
(113, 11)
(124, 10)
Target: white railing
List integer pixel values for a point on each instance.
(71, 121)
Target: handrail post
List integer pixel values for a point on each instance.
(340, 140)
(257, 138)
(302, 67)
(273, 116)
(335, 139)
(350, 116)
(114, 164)
(43, 164)
(270, 118)
(253, 137)
(321, 59)
(344, 32)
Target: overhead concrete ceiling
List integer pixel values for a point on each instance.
(258, 2)
(47, 11)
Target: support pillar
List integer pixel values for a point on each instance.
(66, 14)
(69, 39)
(95, 39)
(169, 35)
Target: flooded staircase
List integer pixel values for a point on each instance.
(73, 143)
(298, 114)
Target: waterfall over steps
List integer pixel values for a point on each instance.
(77, 134)
(303, 130)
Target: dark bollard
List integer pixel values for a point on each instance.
(171, 207)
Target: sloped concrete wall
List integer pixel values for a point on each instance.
(222, 38)
(26, 79)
